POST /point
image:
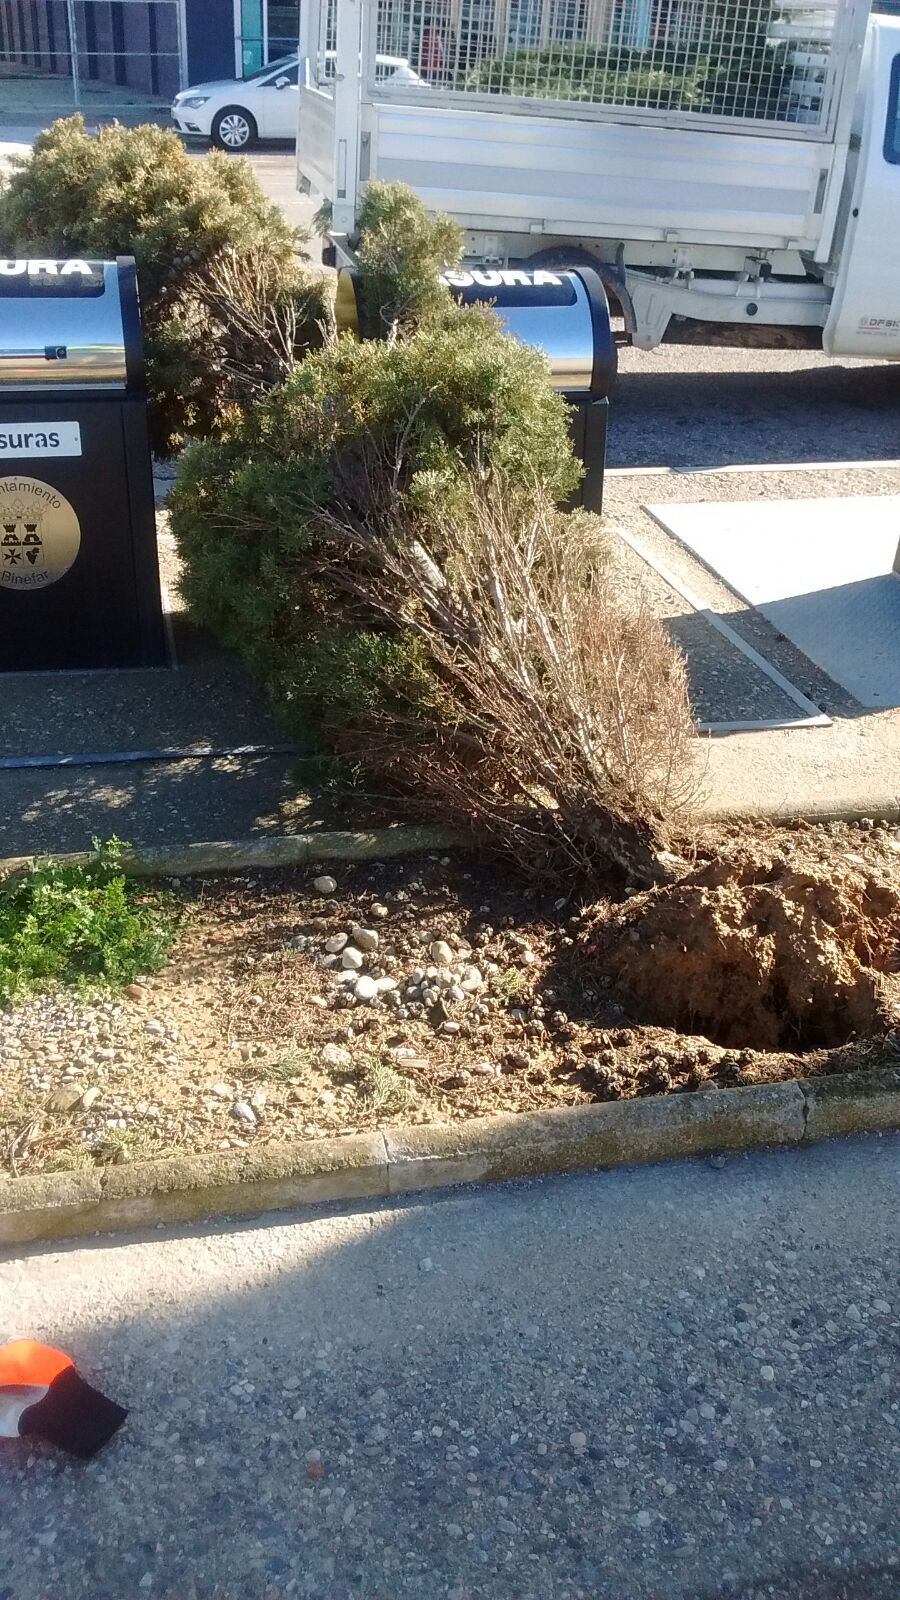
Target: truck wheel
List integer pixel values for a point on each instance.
(234, 129)
(559, 259)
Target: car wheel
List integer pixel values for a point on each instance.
(234, 129)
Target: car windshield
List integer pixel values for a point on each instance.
(270, 66)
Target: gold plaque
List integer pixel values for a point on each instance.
(39, 534)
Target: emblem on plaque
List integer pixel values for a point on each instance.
(40, 535)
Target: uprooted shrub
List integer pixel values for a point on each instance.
(669, 74)
(380, 537)
(542, 714)
(352, 424)
(212, 254)
(401, 252)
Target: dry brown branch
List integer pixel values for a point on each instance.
(565, 730)
(257, 327)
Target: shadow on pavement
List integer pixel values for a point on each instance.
(445, 1359)
(695, 419)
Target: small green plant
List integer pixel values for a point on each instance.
(509, 984)
(70, 1158)
(85, 925)
(401, 253)
(282, 1069)
(383, 1090)
(130, 1144)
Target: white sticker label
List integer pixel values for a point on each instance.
(30, 439)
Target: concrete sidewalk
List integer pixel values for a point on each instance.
(849, 770)
(669, 1383)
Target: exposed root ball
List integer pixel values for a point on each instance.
(761, 953)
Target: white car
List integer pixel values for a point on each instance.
(236, 112)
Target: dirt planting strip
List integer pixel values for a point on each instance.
(487, 1150)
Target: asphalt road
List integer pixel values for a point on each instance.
(665, 1382)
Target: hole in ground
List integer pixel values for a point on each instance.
(761, 954)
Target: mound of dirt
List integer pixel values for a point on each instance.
(762, 951)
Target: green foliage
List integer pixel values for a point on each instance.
(383, 1090)
(366, 433)
(286, 1068)
(401, 252)
(136, 191)
(86, 925)
(592, 73)
(702, 79)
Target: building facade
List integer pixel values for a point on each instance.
(141, 48)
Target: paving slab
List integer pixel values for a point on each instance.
(820, 570)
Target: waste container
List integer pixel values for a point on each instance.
(566, 315)
(79, 581)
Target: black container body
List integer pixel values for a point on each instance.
(79, 579)
(105, 609)
(588, 427)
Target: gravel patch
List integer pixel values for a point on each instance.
(411, 992)
(690, 406)
(725, 685)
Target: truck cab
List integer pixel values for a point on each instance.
(864, 315)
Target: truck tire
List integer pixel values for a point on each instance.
(234, 129)
(559, 258)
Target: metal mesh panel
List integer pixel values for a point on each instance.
(105, 57)
(323, 64)
(761, 61)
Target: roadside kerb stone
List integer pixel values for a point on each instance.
(276, 850)
(49, 1205)
(838, 1105)
(407, 839)
(615, 1133)
(490, 1149)
(193, 1188)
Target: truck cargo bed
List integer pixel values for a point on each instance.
(563, 176)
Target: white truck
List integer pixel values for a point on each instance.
(731, 168)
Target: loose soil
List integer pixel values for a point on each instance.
(774, 956)
(760, 947)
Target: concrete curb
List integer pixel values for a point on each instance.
(378, 844)
(275, 850)
(485, 1150)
